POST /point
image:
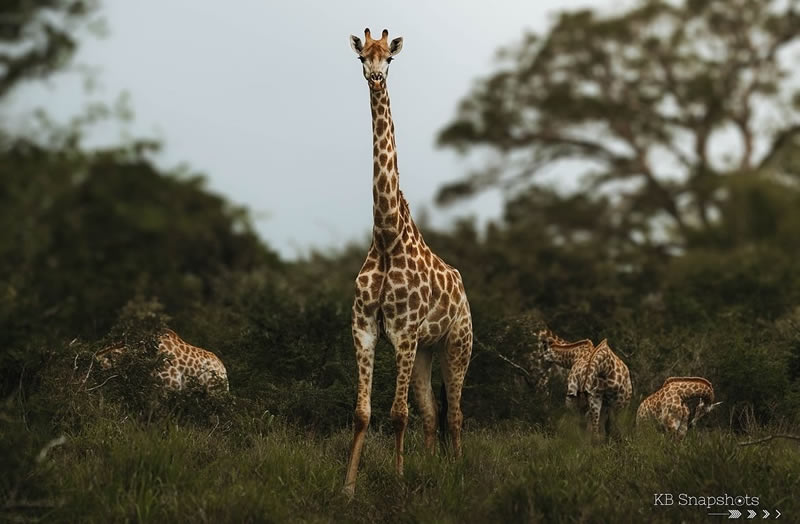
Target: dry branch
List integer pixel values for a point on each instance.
(768, 438)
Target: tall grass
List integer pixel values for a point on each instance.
(129, 471)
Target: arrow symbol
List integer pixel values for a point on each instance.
(734, 513)
(777, 513)
(766, 514)
(751, 513)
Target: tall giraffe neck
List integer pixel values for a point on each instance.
(386, 197)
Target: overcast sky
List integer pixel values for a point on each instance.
(268, 101)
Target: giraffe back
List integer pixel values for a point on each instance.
(601, 372)
(187, 362)
(183, 362)
(675, 399)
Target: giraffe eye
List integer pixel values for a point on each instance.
(389, 60)
(361, 58)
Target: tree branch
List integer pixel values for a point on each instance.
(780, 140)
(768, 438)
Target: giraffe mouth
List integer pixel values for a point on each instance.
(377, 86)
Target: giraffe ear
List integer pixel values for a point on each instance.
(396, 46)
(355, 43)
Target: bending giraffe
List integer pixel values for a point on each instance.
(604, 380)
(555, 350)
(182, 361)
(558, 351)
(403, 290)
(670, 405)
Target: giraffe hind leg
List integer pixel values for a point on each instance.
(421, 377)
(455, 361)
(405, 354)
(595, 409)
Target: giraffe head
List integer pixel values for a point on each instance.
(544, 340)
(108, 356)
(702, 410)
(375, 57)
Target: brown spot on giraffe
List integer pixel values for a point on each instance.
(182, 361)
(671, 406)
(602, 379)
(403, 312)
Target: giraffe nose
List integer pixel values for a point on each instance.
(376, 77)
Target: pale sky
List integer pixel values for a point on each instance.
(267, 99)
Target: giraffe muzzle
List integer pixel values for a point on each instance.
(376, 81)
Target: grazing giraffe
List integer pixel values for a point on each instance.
(557, 350)
(403, 290)
(183, 360)
(670, 405)
(603, 379)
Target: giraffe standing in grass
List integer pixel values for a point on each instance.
(603, 379)
(182, 361)
(403, 291)
(670, 407)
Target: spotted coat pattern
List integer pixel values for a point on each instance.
(558, 351)
(672, 404)
(182, 361)
(603, 380)
(403, 291)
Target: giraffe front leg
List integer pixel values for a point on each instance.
(365, 336)
(421, 376)
(683, 424)
(405, 355)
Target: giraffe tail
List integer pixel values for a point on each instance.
(443, 415)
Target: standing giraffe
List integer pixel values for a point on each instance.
(403, 290)
(605, 381)
(182, 361)
(669, 406)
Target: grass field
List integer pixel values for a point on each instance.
(120, 470)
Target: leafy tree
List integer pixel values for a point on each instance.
(38, 38)
(642, 103)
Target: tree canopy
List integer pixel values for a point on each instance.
(38, 38)
(657, 106)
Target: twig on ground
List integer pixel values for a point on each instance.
(213, 429)
(768, 438)
(103, 384)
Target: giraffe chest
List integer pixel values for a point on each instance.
(415, 302)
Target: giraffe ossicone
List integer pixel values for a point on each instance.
(403, 290)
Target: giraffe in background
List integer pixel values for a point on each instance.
(183, 360)
(605, 381)
(403, 290)
(670, 405)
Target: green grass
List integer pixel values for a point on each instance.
(111, 471)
